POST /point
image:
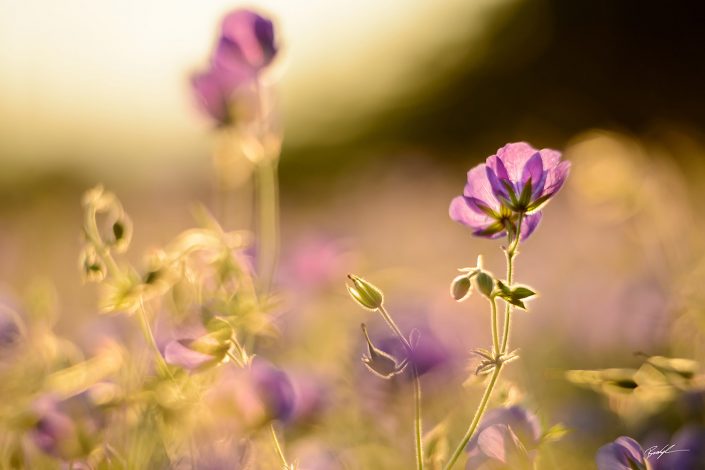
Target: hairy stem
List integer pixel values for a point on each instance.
(495, 332)
(511, 254)
(476, 419)
(417, 388)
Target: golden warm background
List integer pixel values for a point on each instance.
(384, 107)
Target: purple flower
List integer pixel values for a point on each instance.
(623, 454)
(67, 428)
(506, 438)
(206, 350)
(245, 47)
(524, 178)
(518, 180)
(685, 450)
(214, 91)
(274, 389)
(246, 44)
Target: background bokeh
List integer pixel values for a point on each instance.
(384, 106)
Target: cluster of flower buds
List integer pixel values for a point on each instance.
(487, 285)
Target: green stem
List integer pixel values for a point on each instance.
(417, 388)
(495, 332)
(268, 220)
(511, 255)
(476, 419)
(393, 326)
(417, 419)
(278, 447)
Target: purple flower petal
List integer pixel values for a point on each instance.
(515, 156)
(214, 90)
(274, 388)
(621, 454)
(529, 224)
(179, 354)
(556, 177)
(479, 187)
(459, 211)
(522, 422)
(533, 171)
(496, 174)
(247, 41)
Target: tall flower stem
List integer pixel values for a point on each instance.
(267, 220)
(418, 429)
(495, 332)
(476, 419)
(511, 254)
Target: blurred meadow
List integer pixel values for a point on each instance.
(383, 108)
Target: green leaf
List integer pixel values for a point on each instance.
(522, 292)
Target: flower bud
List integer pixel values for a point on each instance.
(460, 288)
(364, 293)
(485, 283)
(378, 362)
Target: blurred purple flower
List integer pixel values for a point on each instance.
(427, 353)
(244, 48)
(246, 44)
(185, 354)
(311, 397)
(273, 388)
(517, 179)
(507, 438)
(623, 454)
(11, 331)
(67, 428)
(214, 90)
(687, 453)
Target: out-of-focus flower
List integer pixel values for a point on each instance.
(506, 439)
(314, 264)
(245, 46)
(524, 178)
(196, 354)
(311, 397)
(68, 428)
(518, 179)
(11, 331)
(215, 91)
(686, 450)
(623, 454)
(257, 394)
(427, 351)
